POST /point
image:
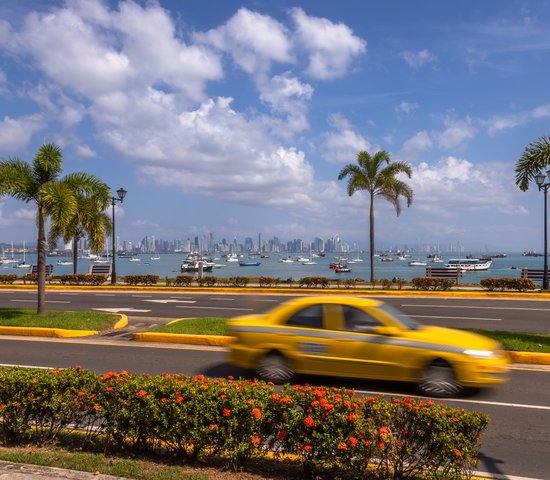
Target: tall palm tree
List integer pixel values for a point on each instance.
(39, 183)
(90, 219)
(536, 157)
(377, 176)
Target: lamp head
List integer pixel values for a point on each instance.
(540, 178)
(121, 194)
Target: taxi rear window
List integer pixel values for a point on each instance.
(400, 317)
(310, 317)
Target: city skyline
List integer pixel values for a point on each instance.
(235, 117)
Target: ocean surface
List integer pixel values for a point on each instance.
(168, 265)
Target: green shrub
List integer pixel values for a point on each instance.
(238, 281)
(183, 280)
(82, 279)
(269, 281)
(311, 282)
(8, 278)
(432, 283)
(520, 284)
(141, 279)
(330, 429)
(207, 281)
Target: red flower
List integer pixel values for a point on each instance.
(342, 446)
(455, 419)
(256, 413)
(80, 394)
(380, 445)
(352, 441)
(256, 440)
(306, 448)
(352, 417)
(226, 412)
(282, 435)
(309, 422)
(141, 393)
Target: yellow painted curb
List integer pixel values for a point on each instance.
(214, 340)
(530, 358)
(46, 332)
(58, 332)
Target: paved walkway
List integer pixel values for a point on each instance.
(20, 471)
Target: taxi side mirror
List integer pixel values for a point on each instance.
(387, 331)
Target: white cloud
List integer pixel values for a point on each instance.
(343, 144)
(15, 133)
(253, 40)
(418, 143)
(456, 132)
(406, 108)
(331, 46)
(418, 59)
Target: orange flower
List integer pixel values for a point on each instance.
(455, 419)
(380, 444)
(97, 407)
(179, 399)
(256, 440)
(352, 441)
(141, 393)
(458, 453)
(342, 446)
(256, 413)
(306, 448)
(80, 394)
(226, 412)
(309, 422)
(352, 417)
(212, 426)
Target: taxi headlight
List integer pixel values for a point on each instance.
(480, 353)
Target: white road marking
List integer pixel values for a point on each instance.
(105, 295)
(120, 309)
(171, 301)
(142, 296)
(457, 318)
(182, 298)
(217, 308)
(221, 299)
(460, 400)
(474, 307)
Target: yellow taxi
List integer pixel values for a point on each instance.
(363, 338)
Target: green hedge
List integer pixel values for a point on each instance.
(141, 279)
(521, 284)
(324, 428)
(431, 283)
(8, 278)
(82, 279)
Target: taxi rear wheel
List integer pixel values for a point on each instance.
(439, 380)
(274, 368)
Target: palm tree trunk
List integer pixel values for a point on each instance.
(75, 255)
(371, 236)
(41, 262)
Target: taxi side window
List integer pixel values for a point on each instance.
(356, 320)
(309, 317)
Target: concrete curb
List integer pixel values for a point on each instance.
(59, 332)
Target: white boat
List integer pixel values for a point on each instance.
(417, 263)
(303, 259)
(468, 264)
(309, 262)
(232, 257)
(23, 264)
(64, 262)
(155, 258)
(288, 259)
(135, 259)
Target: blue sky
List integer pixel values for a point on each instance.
(236, 117)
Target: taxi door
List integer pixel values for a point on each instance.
(359, 351)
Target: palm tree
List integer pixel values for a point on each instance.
(90, 219)
(39, 183)
(535, 158)
(377, 176)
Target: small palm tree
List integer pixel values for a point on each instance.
(377, 176)
(536, 157)
(90, 219)
(39, 183)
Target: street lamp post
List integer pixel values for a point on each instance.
(121, 194)
(539, 179)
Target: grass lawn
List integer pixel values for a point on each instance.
(70, 320)
(196, 326)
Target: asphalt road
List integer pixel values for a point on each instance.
(516, 443)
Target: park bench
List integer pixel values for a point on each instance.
(453, 273)
(104, 270)
(33, 270)
(532, 274)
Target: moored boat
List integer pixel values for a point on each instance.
(468, 264)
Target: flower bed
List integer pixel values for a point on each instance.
(322, 428)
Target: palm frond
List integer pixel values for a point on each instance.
(535, 158)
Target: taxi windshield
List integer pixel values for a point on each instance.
(406, 321)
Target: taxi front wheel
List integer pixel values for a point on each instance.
(439, 380)
(274, 368)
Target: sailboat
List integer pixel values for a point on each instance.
(6, 262)
(23, 264)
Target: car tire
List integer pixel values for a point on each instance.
(439, 380)
(274, 368)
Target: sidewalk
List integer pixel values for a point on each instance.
(20, 471)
